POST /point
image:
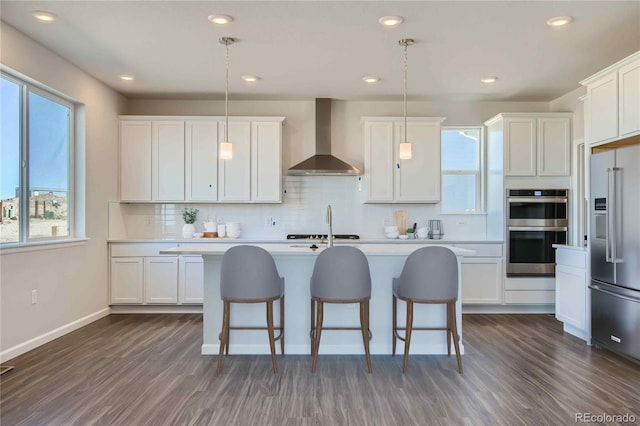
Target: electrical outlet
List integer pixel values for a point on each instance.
(34, 297)
(149, 219)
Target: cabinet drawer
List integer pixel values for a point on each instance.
(482, 250)
(530, 284)
(574, 258)
(140, 249)
(532, 297)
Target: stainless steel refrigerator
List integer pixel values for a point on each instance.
(615, 250)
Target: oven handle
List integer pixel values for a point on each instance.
(538, 228)
(536, 200)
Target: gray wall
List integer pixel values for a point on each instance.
(71, 282)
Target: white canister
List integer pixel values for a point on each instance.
(222, 229)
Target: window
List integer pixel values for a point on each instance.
(461, 169)
(36, 163)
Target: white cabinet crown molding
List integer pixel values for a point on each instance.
(612, 68)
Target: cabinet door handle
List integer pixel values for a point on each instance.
(398, 165)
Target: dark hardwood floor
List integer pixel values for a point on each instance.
(147, 369)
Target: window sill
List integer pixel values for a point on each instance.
(42, 245)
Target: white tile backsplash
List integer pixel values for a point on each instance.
(303, 210)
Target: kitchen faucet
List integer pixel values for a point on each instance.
(330, 222)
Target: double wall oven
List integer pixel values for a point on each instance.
(536, 219)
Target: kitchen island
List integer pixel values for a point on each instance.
(295, 263)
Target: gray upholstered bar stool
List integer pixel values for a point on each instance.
(249, 275)
(430, 275)
(340, 275)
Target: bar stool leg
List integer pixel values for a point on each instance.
(282, 325)
(449, 329)
(395, 325)
(316, 345)
(272, 342)
(455, 337)
(312, 333)
(407, 337)
(225, 333)
(364, 325)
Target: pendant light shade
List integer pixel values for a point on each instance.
(226, 147)
(405, 150)
(405, 145)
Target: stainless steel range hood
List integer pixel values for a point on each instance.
(323, 163)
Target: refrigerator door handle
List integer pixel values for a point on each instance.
(614, 201)
(611, 293)
(607, 242)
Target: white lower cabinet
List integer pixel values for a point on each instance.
(160, 278)
(482, 274)
(127, 280)
(482, 280)
(191, 280)
(572, 304)
(139, 275)
(571, 293)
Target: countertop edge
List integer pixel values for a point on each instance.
(568, 247)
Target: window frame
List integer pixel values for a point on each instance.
(26, 87)
(479, 172)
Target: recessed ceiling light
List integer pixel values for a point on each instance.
(220, 19)
(44, 16)
(250, 78)
(126, 77)
(559, 21)
(391, 21)
(370, 79)
(489, 80)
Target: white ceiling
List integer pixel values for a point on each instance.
(303, 50)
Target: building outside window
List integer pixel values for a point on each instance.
(461, 169)
(36, 151)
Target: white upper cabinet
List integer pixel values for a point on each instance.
(535, 144)
(418, 180)
(175, 159)
(201, 165)
(520, 146)
(167, 153)
(379, 161)
(554, 146)
(235, 174)
(391, 180)
(266, 168)
(629, 91)
(135, 160)
(612, 104)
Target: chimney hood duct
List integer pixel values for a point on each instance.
(323, 163)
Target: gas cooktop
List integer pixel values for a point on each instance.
(322, 236)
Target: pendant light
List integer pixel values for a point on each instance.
(405, 145)
(226, 148)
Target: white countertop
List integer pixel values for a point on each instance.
(302, 249)
(283, 241)
(567, 247)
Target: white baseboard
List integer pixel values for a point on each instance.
(508, 309)
(355, 349)
(156, 309)
(51, 335)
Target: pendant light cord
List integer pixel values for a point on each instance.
(226, 93)
(405, 92)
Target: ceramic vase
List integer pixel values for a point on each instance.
(188, 229)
